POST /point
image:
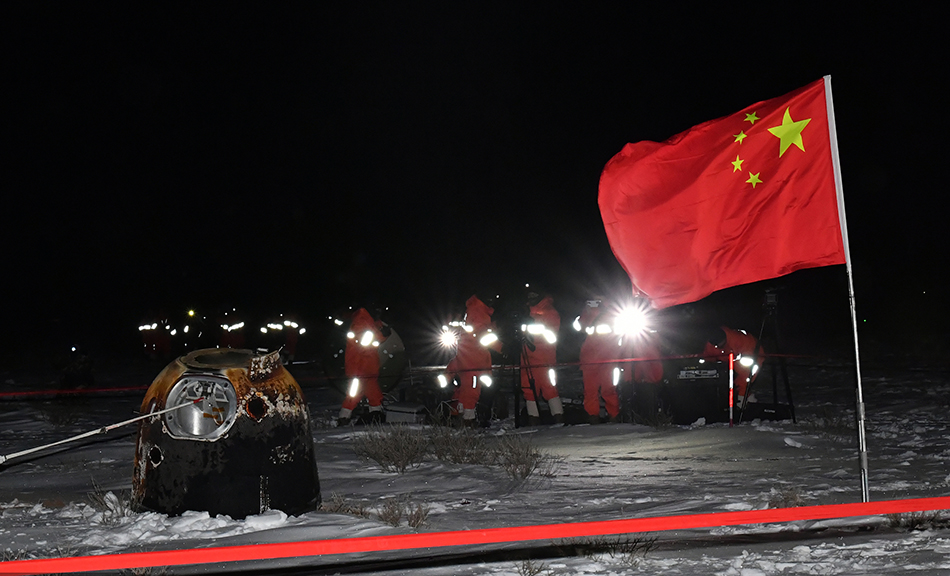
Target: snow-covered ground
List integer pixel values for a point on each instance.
(602, 472)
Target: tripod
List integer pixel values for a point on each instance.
(526, 366)
(768, 334)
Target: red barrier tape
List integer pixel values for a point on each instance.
(464, 537)
(72, 392)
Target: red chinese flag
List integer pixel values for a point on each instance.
(747, 197)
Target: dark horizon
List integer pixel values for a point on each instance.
(305, 158)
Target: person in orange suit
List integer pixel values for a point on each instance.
(362, 367)
(538, 358)
(472, 362)
(601, 345)
(747, 354)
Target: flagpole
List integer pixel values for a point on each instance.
(859, 407)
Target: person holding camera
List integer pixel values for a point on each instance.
(538, 358)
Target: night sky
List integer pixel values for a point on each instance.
(303, 157)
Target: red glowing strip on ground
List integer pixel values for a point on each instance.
(73, 392)
(464, 537)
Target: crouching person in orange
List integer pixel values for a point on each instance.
(538, 357)
(747, 354)
(362, 368)
(472, 362)
(601, 376)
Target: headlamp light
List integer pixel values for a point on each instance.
(448, 338)
(631, 321)
(485, 379)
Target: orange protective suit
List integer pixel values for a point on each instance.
(597, 349)
(740, 344)
(472, 358)
(362, 362)
(537, 362)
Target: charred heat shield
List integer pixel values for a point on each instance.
(239, 443)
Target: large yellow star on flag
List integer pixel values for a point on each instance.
(790, 132)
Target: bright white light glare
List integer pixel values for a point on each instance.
(303, 331)
(367, 338)
(276, 326)
(448, 338)
(589, 330)
(443, 381)
(755, 369)
(354, 387)
(485, 379)
(603, 329)
(552, 376)
(746, 361)
(174, 332)
(631, 321)
(350, 335)
(338, 322)
(535, 328)
(468, 328)
(376, 343)
(186, 329)
(577, 324)
(616, 376)
(263, 330)
(551, 337)
(154, 325)
(488, 339)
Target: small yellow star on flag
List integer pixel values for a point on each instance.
(737, 164)
(790, 132)
(754, 179)
(740, 137)
(751, 118)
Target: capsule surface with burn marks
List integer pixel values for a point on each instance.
(239, 444)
